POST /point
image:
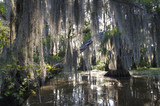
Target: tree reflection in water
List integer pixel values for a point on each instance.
(92, 88)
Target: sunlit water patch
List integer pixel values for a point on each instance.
(92, 88)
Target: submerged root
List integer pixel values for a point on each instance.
(118, 74)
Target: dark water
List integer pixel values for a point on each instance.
(92, 89)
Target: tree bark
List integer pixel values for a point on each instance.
(12, 23)
(121, 72)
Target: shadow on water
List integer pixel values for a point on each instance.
(92, 88)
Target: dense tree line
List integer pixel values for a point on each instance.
(125, 35)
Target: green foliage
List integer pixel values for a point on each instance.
(62, 46)
(47, 42)
(2, 11)
(44, 43)
(151, 5)
(51, 71)
(144, 64)
(99, 66)
(4, 38)
(144, 60)
(108, 35)
(86, 32)
(15, 87)
(98, 62)
(62, 42)
(62, 38)
(36, 58)
(103, 50)
(61, 53)
(86, 37)
(53, 59)
(33, 92)
(144, 71)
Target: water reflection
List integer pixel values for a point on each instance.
(91, 88)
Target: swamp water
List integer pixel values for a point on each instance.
(93, 89)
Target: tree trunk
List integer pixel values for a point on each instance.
(69, 53)
(43, 70)
(157, 37)
(120, 72)
(69, 56)
(12, 23)
(75, 56)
